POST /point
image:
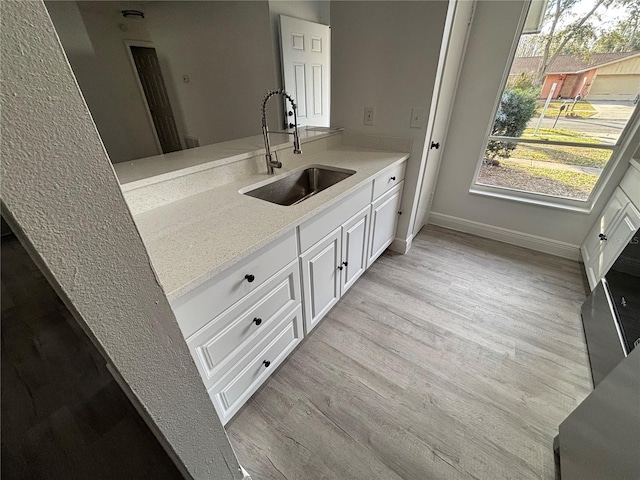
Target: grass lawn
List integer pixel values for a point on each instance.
(585, 157)
(582, 109)
(559, 135)
(581, 181)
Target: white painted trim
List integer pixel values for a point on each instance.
(622, 151)
(401, 245)
(428, 176)
(142, 43)
(526, 240)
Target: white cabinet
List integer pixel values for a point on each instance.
(321, 277)
(384, 220)
(593, 243)
(615, 227)
(355, 236)
(332, 266)
(613, 240)
(243, 323)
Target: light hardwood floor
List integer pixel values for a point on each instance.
(456, 361)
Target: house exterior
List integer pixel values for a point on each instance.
(603, 76)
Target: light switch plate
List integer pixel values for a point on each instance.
(369, 115)
(418, 117)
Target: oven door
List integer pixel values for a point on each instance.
(602, 332)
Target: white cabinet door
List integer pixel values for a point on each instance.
(355, 233)
(384, 220)
(614, 241)
(612, 210)
(320, 278)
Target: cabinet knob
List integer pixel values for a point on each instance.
(257, 321)
(345, 263)
(249, 278)
(340, 267)
(435, 145)
(393, 178)
(266, 363)
(603, 237)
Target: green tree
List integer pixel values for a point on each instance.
(517, 106)
(624, 36)
(564, 34)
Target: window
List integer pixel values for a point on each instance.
(571, 90)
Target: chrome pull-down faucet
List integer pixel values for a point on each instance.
(271, 164)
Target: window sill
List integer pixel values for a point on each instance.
(538, 200)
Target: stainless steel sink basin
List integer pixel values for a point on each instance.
(296, 187)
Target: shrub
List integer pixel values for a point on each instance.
(517, 106)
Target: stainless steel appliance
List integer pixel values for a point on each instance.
(600, 439)
(611, 314)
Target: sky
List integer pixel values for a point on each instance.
(608, 16)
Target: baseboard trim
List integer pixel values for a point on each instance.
(401, 245)
(526, 240)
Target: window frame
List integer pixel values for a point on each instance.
(541, 199)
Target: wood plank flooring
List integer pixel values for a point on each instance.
(456, 361)
(63, 415)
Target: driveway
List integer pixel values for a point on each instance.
(606, 125)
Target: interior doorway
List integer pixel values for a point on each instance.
(149, 74)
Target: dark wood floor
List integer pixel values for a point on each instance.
(63, 415)
(456, 361)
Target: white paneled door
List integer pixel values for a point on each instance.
(306, 68)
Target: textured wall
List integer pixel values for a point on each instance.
(61, 196)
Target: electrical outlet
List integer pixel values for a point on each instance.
(418, 117)
(369, 115)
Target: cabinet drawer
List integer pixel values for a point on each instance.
(201, 305)
(388, 179)
(631, 185)
(244, 378)
(318, 227)
(242, 326)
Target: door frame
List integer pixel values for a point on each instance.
(428, 172)
(143, 43)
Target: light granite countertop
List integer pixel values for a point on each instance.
(191, 240)
(149, 170)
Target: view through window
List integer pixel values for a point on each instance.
(571, 91)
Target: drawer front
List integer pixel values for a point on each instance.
(198, 307)
(242, 380)
(318, 227)
(631, 185)
(238, 329)
(388, 179)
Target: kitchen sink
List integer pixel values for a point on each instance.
(295, 187)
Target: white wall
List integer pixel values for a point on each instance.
(62, 199)
(225, 48)
(108, 30)
(385, 55)
(97, 87)
(561, 231)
